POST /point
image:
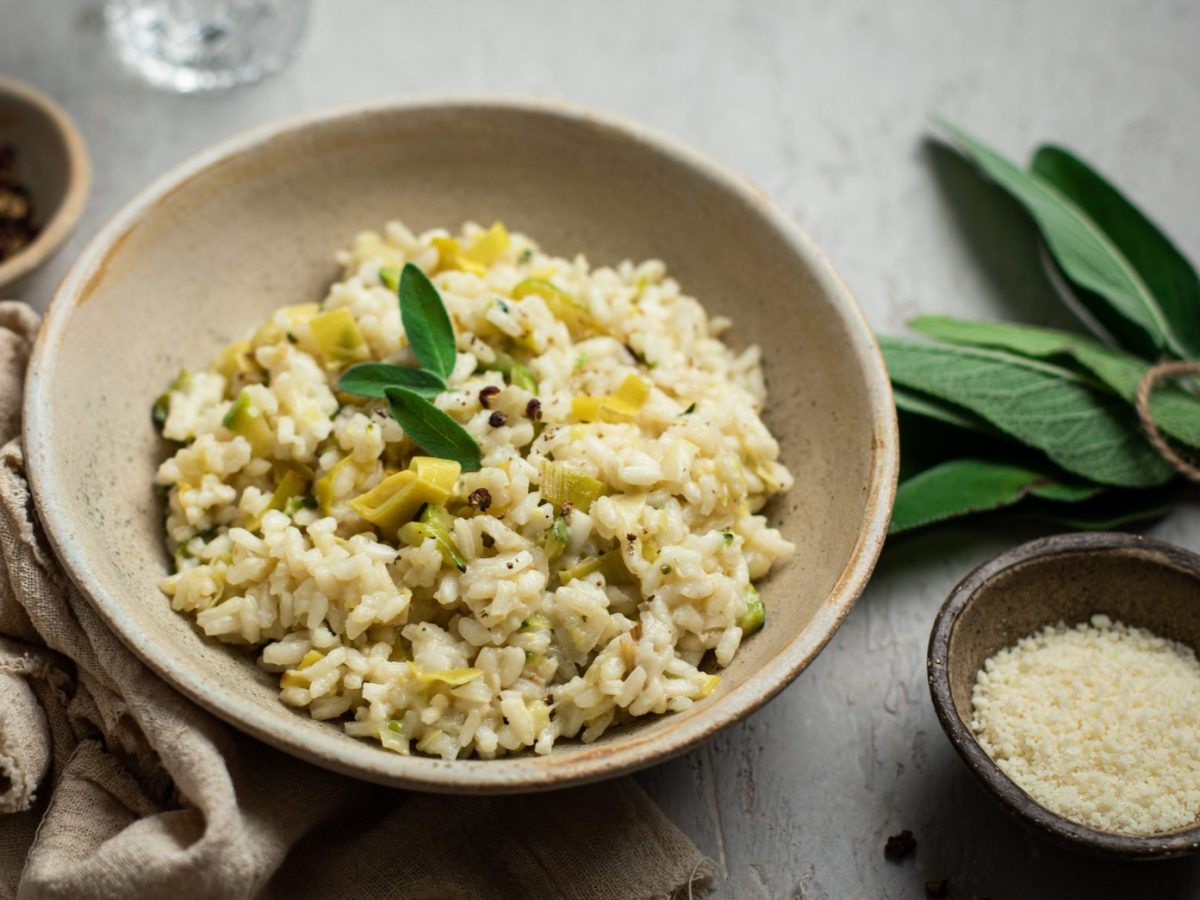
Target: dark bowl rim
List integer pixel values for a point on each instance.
(1015, 800)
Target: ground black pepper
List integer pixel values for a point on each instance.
(487, 540)
(497, 419)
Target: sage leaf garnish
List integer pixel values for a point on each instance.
(1081, 427)
(373, 379)
(433, 430)
(426, 322)
(964, 486)
(1171, 279)
(1175, 411)
(1086, 255)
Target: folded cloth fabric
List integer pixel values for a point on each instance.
(114, 785)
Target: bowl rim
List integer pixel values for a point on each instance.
(526, 772)
(79, 183)
(1011, 796)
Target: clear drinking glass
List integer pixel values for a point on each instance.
(205, 45)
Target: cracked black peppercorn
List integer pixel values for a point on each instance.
(479, 499)
(899, 846)
(533, 410)
(486, 395)
(497, 419)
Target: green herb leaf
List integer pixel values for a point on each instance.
(426, 322)
(1164, 270)
(433, 430)
(1112, 509)
(373, 379)
(1175, 411)
(918, 404)
(1087, 256)
(961, 487)
(1085, 430)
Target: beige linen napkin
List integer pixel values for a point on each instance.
(114, 785)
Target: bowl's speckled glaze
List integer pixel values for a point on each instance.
(52, 162)
(209, 249)
(1065, 578)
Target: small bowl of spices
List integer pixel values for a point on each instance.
(1065, 674)
(44, 179)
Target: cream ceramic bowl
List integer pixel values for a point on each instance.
(208, 250)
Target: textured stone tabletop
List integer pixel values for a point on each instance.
(825, 105)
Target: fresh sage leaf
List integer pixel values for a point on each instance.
(1175, 411)
(1085, 254)
(426, 322)
(1084, 429)
(918, 404)
(962, 487)
(1096, 314)
(431, 429)
(373, 379)
(1112, 509)
(1163, 269)
(926, 442)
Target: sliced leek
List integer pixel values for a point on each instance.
(337, 334)
(292, 485)
(246, 419)
(563, 306)
(754, 615)
(560, 484)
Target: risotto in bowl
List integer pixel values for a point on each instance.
(576, 454)
(571, 563)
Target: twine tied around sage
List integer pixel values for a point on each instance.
(1148, 383)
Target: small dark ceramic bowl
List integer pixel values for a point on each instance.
(1065, 578)
(52, 162)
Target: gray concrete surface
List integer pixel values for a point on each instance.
(827, 106)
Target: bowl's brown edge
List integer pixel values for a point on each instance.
(79, 184)
(1012, 798)
(472, 776)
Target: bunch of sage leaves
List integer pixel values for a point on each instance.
(1003, 416)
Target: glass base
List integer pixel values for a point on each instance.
(190, 46)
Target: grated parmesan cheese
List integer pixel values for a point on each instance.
(1099, 722)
